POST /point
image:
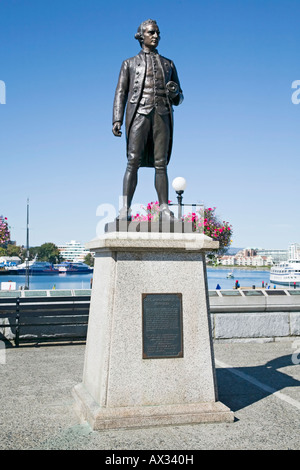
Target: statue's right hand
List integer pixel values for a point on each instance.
(117, 129)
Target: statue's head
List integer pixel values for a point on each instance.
(140, 32)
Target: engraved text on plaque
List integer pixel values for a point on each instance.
(162, 326)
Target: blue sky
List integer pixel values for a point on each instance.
(236, 135)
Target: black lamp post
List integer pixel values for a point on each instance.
(179, 185)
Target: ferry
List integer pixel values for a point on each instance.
(67, 267)
(34, 267)
(286, 273)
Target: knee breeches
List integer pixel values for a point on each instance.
(153, 128)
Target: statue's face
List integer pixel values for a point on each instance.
(151, 36)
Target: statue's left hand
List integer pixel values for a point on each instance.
(173, 89)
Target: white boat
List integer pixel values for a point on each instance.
(286, 273)
(22, 265)
(230, 275)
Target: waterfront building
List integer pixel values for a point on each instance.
(247, 252)
(260, 256)
(246, 257)
(256, 260)
(9, 260)
(73, 251)
(251, 257)
(227, 260)
(294, 251)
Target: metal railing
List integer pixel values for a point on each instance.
(40, 318)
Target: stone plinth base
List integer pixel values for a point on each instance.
(124, 383)
(142, 416)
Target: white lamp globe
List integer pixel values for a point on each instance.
(179, 184)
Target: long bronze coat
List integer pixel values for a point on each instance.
(129, 91)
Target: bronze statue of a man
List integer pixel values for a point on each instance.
(148, 87)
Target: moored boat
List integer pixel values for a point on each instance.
(286, 273)
(34, 267)
(67, 267)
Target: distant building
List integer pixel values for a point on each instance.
(227, 260)
(73, 251)
(294, 251)
(277, 255)
(10, 260)
(254, 260)
(260, 256)
(246, 257)
(247, 252)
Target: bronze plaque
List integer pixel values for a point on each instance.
(162, 326)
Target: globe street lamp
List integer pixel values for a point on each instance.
(179, 185)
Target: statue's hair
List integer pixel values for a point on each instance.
(140, 32)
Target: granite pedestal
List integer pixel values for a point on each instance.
(126, 382)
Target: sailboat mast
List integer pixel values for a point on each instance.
(27, 247)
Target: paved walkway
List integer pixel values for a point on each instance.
(259, 382)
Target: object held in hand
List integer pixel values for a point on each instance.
(173, 89)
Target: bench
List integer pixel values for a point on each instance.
(44, 319)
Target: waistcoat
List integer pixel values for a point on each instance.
(154, 92)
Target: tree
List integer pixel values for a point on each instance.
(49, 252)
(33, 252)
(2, 252)
(14, 250)
(89, 259)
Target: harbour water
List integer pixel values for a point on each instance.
(51, 281)
(245, 277)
